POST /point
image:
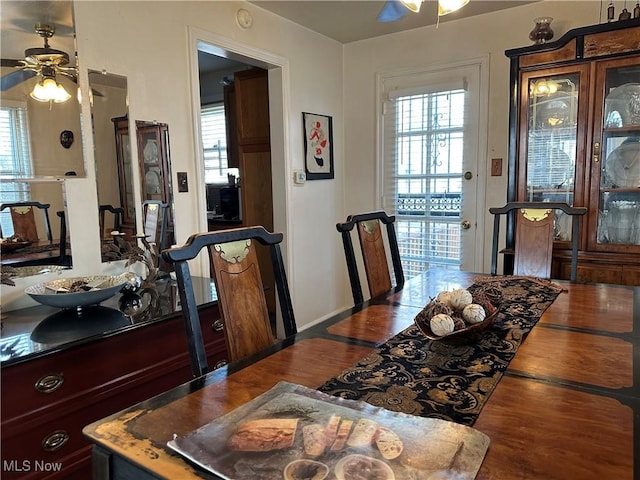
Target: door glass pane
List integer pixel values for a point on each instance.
(619, 206)
(428, 179)
(551, 146)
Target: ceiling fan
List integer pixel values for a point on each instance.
(44, 61)
(394, 10)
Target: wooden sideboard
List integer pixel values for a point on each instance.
(49, 396)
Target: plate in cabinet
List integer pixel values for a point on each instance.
(623, 165)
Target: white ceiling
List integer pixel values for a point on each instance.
(348, 21)
(345, 21)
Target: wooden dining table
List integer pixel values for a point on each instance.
(567, 406)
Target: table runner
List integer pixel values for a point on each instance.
(411, 374)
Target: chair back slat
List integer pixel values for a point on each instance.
(24, 220)
(534, 243)
(375, 257)
(241, 299)
(24, 223)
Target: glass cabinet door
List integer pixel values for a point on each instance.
(616, 156)
(551, 142)
(129, 204)
(125, 173)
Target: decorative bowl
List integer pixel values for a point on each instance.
(59, 293)
(471, 333)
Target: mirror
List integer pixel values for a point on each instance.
(48, 140)
(30, 25)
(112, 150)
(38, 253)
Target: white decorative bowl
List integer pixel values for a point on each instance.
(52, 293)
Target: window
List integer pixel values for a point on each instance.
(214, 141)
(15, 160)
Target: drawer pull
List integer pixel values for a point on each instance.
(220, 364)
(55, 440)
(218, 326)
(49, 383)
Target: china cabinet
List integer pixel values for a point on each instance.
(155, 171)
(153, 153)
(575, 138)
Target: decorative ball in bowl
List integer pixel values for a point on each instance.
(76, 292)
(456, 317)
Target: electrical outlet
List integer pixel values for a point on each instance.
(496, 167)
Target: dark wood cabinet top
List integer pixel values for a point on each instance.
(34, 332)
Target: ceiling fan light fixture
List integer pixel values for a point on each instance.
(49, 90)
(413, 5)
(447, 6)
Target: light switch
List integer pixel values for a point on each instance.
(183, 183)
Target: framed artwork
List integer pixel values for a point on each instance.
(318, 146)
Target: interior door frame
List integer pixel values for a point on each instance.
(279, 109)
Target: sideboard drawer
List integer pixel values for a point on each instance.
(90, 369)
(102, 367)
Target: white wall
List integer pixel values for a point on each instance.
(452, 41)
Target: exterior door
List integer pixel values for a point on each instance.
(431, 154)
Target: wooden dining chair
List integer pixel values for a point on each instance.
(374, 255)
(24, 219)
(155, 221)
(232, 253)
(118, 219)
(534, 234)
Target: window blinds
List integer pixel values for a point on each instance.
(214, 141)
(422, 171)
(15, 160)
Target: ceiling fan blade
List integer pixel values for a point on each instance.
(391, 11)
(10, 62)
(12, 79)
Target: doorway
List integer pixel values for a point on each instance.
(246, 59)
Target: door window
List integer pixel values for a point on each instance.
(429, 176)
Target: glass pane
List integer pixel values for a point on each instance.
(429, 141)
(619, 209)
(551, 147)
